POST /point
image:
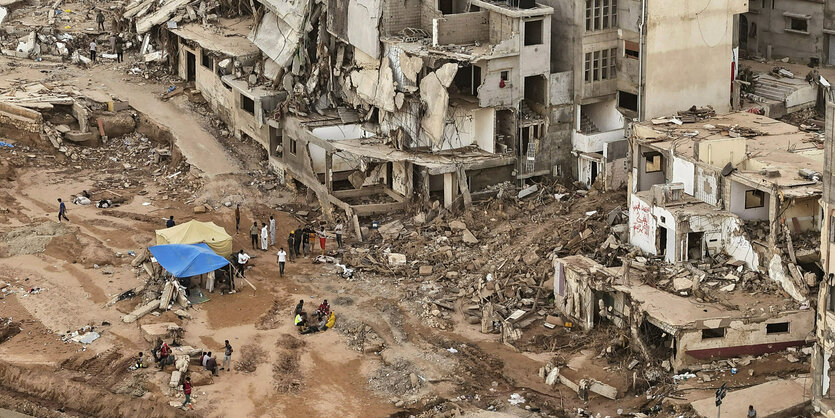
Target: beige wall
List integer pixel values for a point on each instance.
(688, 55)
(719, 152)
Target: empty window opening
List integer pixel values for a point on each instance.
(713, 333)
(631, 50)
(468, 79)
(292, 145)
(247, 104)
(653, 163)
(799, 25)
(754, 199)
(535, 89)
(206, 60)
(694, 245)
(777, 328)
(628, 101)
(505, 75)
(533, 32)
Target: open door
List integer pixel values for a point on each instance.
(191, 66)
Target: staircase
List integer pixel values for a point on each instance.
(773, 89)
(586, 125)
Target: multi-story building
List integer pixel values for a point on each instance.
(626, 60)
(801, 30)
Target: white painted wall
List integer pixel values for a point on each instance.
(641, 225)
(737, 203)
(731, 235)
(594, 142)
(706, 187)
(683, 172)
(341, 162)
(485, 126)
(604, 115)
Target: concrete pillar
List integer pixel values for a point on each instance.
(409, 169)
(329, 171)
(450, 188)
(773, 217)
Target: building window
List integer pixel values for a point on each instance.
(653, 163)
(600, 65)
(601, 14)
(533, 32)
(293, 145)
(832, 229)
(713, 333)
(206, 60)
(587, 68)
(505, 75)
(631, 50)
(754, 199)
(798, 25)
(247, 104)
(777, 328)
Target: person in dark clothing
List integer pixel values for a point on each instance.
(62, 210)
(290, 245)
(237, 218)
(120, 50)
(299, 307)
(170, 222)
(306, 240)
(211, 365)
(100, 20)
(253, 233)
(297, 241)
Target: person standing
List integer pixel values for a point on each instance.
(305, 240)
(237, 218)
(282, 258)
(297, 241)
(100, 20)
(290, 245)
(272, 230)
(338, 231)
(253, 233)
(227, 357)
(93, 50)
(170, 222)
(264, 236)
(120, 51)
(242, 260)
(187, 392)
(322, 237)
(62, 210)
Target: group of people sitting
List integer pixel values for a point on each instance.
(322, 320)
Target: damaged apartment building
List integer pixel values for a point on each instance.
(801, 30)
(725, 210)
(370, 103)
(822, 354)
(615, 61)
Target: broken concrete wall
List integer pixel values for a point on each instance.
(462, 28)
(357, 22)
(572, 295)
(20, 124)
(399, 15)
(737, 202)
(724, 232)
(801, 215)
(502, 27)
(706, 184)
(615, 156)
(405, 68)
(279, 30)
(407, 120)
(375, 86)
(159, 16)
(742, 336)
(209, 84)
(434, 95)
(492, 92)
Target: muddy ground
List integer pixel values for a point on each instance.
(382, 359)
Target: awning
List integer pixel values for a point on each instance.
(185, 260)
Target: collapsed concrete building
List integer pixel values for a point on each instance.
(676, 329)
(739, 184)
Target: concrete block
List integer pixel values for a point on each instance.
(468, 237)
(164, 330)
(425, 270)
(174, 382)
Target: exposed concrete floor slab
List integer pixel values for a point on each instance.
(770, 399)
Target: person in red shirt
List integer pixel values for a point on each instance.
(187, 392)
(324, 309)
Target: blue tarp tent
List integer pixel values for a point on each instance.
(185, 260)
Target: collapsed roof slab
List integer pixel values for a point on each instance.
(228, 40)
(280, 29)
(159, 16)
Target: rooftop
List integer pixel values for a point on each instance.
(507, 8)
(769, 144)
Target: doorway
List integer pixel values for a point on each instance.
(662, 240)
(191, 66)
(743, 32)
(694, 245)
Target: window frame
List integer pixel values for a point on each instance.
(653, 156)
(706, 333)
(244, 100)
(780, 331)
(754, 192)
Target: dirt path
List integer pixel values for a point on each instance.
(199, 146)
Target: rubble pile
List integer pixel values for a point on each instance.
(495, 260)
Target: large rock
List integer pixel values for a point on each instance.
(89, 139)
(457, 225)
(164, 331)
(468, 237)
(682, 283)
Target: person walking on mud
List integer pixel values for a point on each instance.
(62, 211)
(290, 243)
(272, 231)
(253, 233)
(187, 392)
(282, 259)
